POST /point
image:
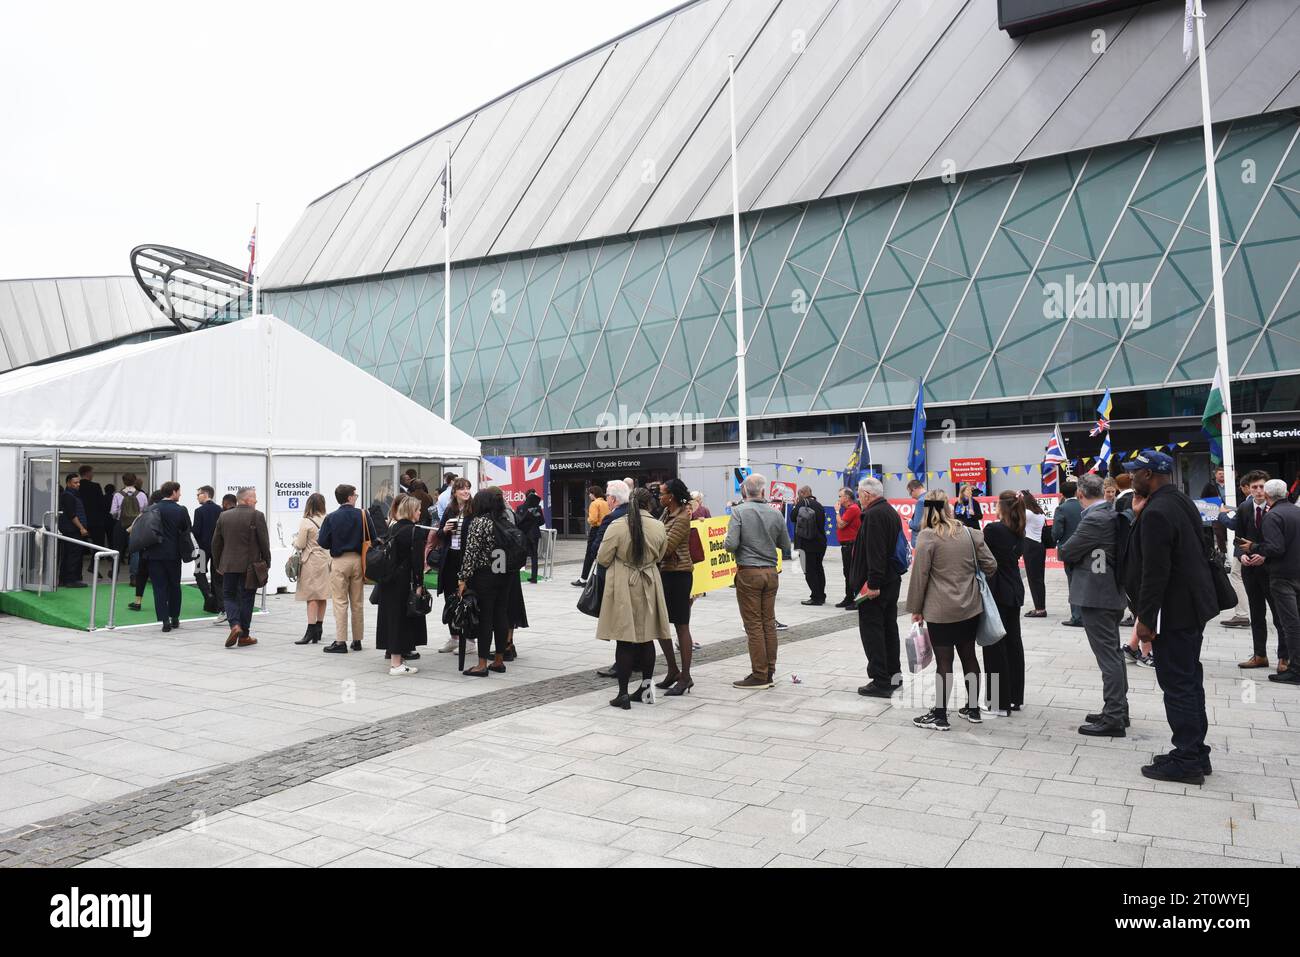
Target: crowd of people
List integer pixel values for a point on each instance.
(1135, 551)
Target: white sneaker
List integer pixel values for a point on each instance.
(451, 647)
(993, 714)
(403, 671)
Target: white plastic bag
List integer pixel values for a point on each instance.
(919, 650)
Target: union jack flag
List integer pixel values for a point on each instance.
(1103, 415)
(1055, 453)
(516, 476)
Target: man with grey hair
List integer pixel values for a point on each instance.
(1090, 556)
(617, 495)
(1281, 550)
(756, 532)
(874, 576)
(240, 544)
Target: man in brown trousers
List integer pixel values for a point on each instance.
(241, 539)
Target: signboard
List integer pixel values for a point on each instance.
(516, 477)
(621, 464)
(1209, 509)
(781, 494)
(718, 570)
(291, 495)
(969, 471)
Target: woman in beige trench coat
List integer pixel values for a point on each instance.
(314, 577)
(632, 608)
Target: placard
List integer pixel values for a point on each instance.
(969, 471)
(718, 570)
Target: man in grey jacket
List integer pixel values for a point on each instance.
(1064, 521)
(757, 531)
(1089, 555)
(1280, 547)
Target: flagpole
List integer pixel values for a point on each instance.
(1216, 259)
(257, 215)
(446, 299)
(741, 403)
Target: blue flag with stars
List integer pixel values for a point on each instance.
(916, 453)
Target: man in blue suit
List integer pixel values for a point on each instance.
(165, 557)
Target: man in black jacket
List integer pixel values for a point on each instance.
(530, 519)
(1248, 523)
(810, 540)
(1065, 520)
(1281, 550)
(96, 505)
(1172, 597)
(873, 566)
(166, 556)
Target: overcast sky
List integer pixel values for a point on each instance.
(123, 124)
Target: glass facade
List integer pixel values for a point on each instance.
(1067, 275)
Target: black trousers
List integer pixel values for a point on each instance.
(1035, 563)
(69, 558)
(1255, 581)
(814, 572)
(590, 557)
(493, 608)
(1004, 663)
(846, 556)
(1181, 678)
(165, 577)
(532, 554)
(878, 628)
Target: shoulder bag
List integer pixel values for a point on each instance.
(990, 630)
(592, 592)
(418, 600)
(696, 546)
(258, 572)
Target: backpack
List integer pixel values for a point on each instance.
(901, 560)
(381, 559)
(146, 530)
(510, 540)
(810, 524)
(129, 510)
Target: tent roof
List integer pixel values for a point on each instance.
(248, 386)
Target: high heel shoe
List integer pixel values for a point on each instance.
(644, 694)
(668, 682)
(622, 701)
(680, 688)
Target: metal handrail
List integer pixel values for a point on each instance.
(99, 551)
(550, 536)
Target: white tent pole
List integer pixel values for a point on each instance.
(741, 389)
(1216, 261)
(257, 215)
(446, 300)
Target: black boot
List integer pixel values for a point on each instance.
(311, 636)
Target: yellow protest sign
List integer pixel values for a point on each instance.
(718, 570)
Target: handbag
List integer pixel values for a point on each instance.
(696, 546)
(257, 573)
(990, 630)
(590, 600)
(418, 600)
(919, 650)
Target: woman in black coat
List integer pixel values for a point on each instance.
(451, 536)
(396, 631)
(1004, 662)
(967, 509)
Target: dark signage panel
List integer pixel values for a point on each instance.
(1019, 17)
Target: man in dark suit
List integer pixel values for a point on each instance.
(872, 566)
(1172, 597)
(72, 524)
(1064, 521)
(1090, 559)
(241, 540)
(1281, 550)
(166, 556)
(1248, 523)
(96, 505)
(205, 523)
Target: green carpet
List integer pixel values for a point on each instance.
(431, 579)
(70, 607)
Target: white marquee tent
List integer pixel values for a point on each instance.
(254, 402)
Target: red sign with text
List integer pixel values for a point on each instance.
(973, 471)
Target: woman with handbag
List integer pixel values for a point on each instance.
(403, 602)
(944, 591)
(451, 534)
(677, 572)
(491, 589)
(1004, 662)
(313, 572)
(632, 611)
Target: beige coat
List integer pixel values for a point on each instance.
(942, 584)
(632, 607)
(314, 579)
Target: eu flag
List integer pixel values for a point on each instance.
(916, 453)
(859, 460)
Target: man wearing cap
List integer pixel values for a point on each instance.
(1172, 597)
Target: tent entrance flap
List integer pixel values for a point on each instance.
(40, 468)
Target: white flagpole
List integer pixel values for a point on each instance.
(257, 215)
(1216, 259)
(446, 300)
(741, 404)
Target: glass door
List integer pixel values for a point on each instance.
(161, 469)
(40, 510)
(381, 485)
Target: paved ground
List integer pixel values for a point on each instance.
(287, 756)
